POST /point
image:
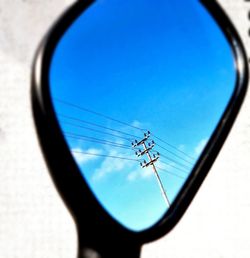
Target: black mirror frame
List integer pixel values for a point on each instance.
(97, 230)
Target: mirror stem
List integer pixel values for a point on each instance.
(108, 248)
(115, 252)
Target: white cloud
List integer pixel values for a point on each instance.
(140, 173)
(131, 168)
(81, 157)
(147, 172)
(110, 165)
(198, 149)
(181, 147)
(132, 176)
(136, 123)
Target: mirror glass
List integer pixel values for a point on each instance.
(138, 88)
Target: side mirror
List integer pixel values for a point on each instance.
(132, 102)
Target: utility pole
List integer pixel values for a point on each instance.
(152, 159)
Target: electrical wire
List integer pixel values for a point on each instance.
(172, 146)
(182, 170)
(169, 172)
(95, 139)
(108, 144)
(176, 162)
(118, 121)
(97, 125)
(174, 154)
(94, 130)
(104, 155)
(96, 113)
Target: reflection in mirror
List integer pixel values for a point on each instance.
(138, 88)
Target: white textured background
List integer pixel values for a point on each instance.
(33, 220)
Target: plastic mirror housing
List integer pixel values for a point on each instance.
(97, 230)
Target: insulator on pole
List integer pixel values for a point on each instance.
(147, 147)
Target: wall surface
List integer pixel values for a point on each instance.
(33, 220)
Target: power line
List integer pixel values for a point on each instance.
(182, 170)
(94, 130)
(169, 172)
(109, 144)
(95, 139)
(96, 113)
(172, 146)
(123, 158)
(103, 155)
(118, 121)
(174, 154)
(176, 162)
(94, 124)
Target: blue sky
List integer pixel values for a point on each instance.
(162, 66)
